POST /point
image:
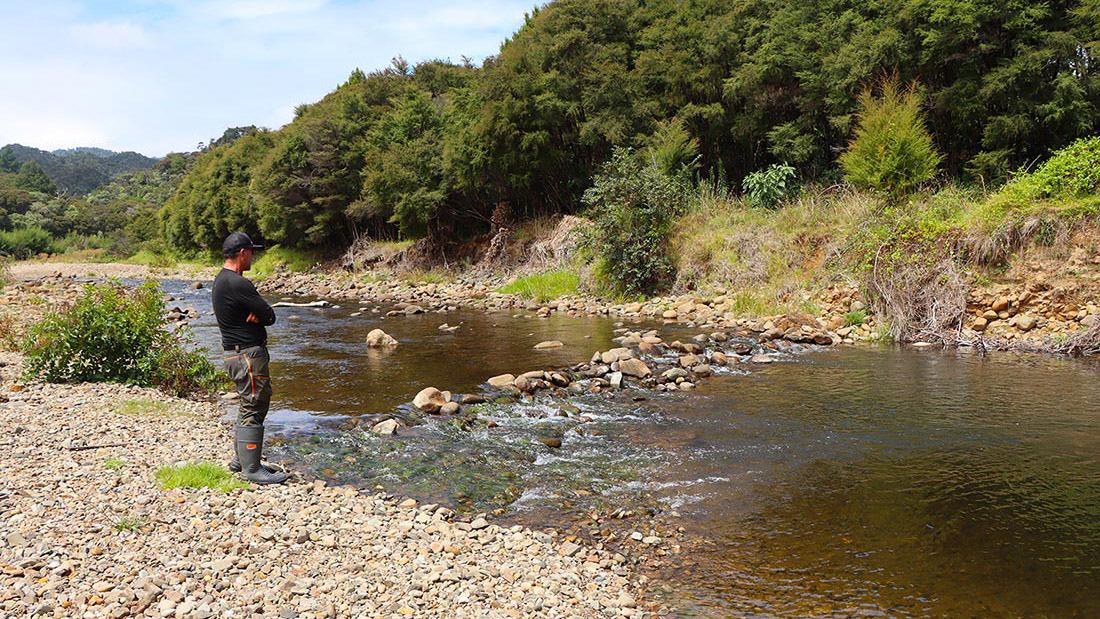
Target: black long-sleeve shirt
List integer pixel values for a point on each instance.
(234, 298)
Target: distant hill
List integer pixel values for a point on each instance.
(77, 171)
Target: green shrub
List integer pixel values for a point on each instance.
(634, 206)
(544, 287)
(23, 243)
(769, 187)
(892, 150)
(112, 334)
(1071, 173)
(199, 475)
(114, 464)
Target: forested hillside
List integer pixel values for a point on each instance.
(726, 88)
(78, 171)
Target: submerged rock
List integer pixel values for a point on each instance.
(548, 345)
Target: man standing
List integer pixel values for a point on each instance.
(242, 317)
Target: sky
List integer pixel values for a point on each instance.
(160, 76)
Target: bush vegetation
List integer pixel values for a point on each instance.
(892, 151)
(112, 334)
(634, 206)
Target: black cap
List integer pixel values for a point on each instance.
(236, 242)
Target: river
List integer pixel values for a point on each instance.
(847, 482)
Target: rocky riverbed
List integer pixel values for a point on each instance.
(89, 532)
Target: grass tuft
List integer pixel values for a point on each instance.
(543, 287)
(855, 318)
(114, 464)
(199, 475)
(131, 524)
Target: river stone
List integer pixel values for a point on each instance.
(719, 358)
(674, 373)
(761, 359)
(690, 360)
(616, 354)
(548, 345)
(1026, 322)
(616, 380)
(429, 400)
(196, 286)
(471, 398)
(552, 443)
(413, 309)
(669, 314)
(634, 367)
(450, 408)
(524, 384)
(979, 324)
(502, 381)
(386, 428)
(648, 349)
(378, 338)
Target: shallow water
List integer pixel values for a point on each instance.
(844, 482)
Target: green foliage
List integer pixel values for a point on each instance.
(769, 187)
(854, 318)
(114, 464)
(127, 523)
(279, 259)
(673, 150)
(23, 243)
(199, 475)
(116, 335)
(1073, 172)
(892, 150)
(9, 164)
(634, 206)
(544, 286)
(32, 177)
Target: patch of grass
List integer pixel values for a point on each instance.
(114, 464)
(149, 408)
(131, 524)
(854, 319)
(279, 259)
(199, 475)
(543, 287)
(152, 259)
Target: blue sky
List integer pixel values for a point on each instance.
(157, 76)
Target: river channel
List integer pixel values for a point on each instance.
(847, 482)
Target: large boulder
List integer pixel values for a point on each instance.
(380, 339)
(429, 400)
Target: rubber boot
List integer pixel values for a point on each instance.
(235, 464)
(250, 445)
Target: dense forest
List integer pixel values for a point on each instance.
(433, 148)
